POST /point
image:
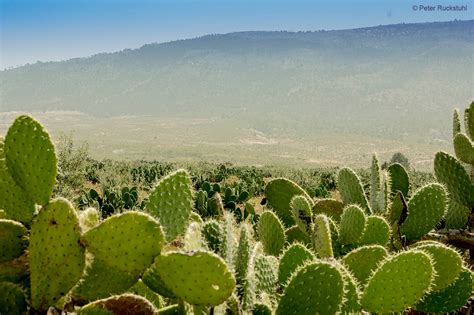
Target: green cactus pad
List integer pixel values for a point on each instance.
(295, 235)
(228, 241)
(243, 253)
(89, 218)
(261, 309)
(121, 304)
(376, 186)
(351, 292)
(13, 199)
(456, 122)
(425, 210)
(457, 215)
(266, 274)
(295, 256)
(200, 278)
(316, 288)
(450, 172)
(152, 279)
(271, 233)
(172, 202)
(13, 240)
(351, 189)
(322, 236)
(396, 208)
(400, 181)
(463, 148)
(31, 158)
(195, 217)
(331, 207)
(447, 263)
(352, 225)
(364, 260)
(212, 233)
(451, 298)
(302, 213)
(141, 289)
(127, 241)
(279, 193)
(377, 231)
(469, 120)
(398, 283)
(15, 270)
(193, 237)
(12, 299)
(54, 253)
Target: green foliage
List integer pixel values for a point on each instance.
(294, 256)
(399, 179)
(295, 235)
(463, 148)
(452, 174)
(351, 189)
(326, 283)
(398, 283)
(212, 233)
(279, 193)
(302, 213)
(121, 304)
(322, 236)
(243, 253)
(377, 231)
(425, 210)
(353, 221)
(364, 260)
(271, 233)
(172, 202)
(13, 240)
(457, 215)
(88, 219)
(12, 299)
(266, 275)
(330, 207)
(200, 277)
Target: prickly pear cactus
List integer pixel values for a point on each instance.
(398, 283)
(331, 207)
(400, 181)
(450, 172)
(172, 202)
(377, 189)
(352, 225)
(279, 192)
(457, 215)
(199, 278)
(12, 299)
(351, 292)
(13, 240)
(193, 237)
(127, 241)
(88, 219)
(463, 148)
(447, 263)
(425, 210)
(351, 189)
(31, 158)
(299, 297)
(228, 241)
(56, 257)
(266, 275)
(261, 309)
(141, 289)
(121, 304)
(322, 236)
(295, 256)
(450, 298)
(377, 231)
(302, 213)
(362, 261)
(212, 233)
(243, 253)
(295, 235)
(271, 233)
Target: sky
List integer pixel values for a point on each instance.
(52, 30)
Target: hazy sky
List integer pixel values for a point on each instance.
(48, 30)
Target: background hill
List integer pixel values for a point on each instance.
(396, 82)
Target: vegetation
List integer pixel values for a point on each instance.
(153, 238)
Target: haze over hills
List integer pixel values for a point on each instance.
(394, 82)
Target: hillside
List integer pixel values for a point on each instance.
(396, 81)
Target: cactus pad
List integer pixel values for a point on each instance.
(447, 263)
(12, 299)
(31, 158)
(322, 236)
(352, 225)
(302, 213)
(351, 292)
(193, 237)
(243, 253)
(456, 122)
(469, 120)
(463, 148)
(316, 288)
(266, 274)
(377, 231)
(13, 241)
(398, 283)
(200, 278)
(121, 304)
(261, 309)
(331, 207)
(351, 189)
(425, 210)
(364, 260)
(128, 241)
(271, 233)
(451, 298)
(279, 193)
(212, 233)
(172, 202)
(400, 181)
(141, 289)
(89, 218)
(295, 256)
(457, 215)
(54, 253)
(295, 235)
(450, 172)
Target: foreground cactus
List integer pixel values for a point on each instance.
(295, 256)
(352, 225)
(125, 303)
(12, 299)
(271, 232)
(362, 261)
(351, 189)
(13, 240)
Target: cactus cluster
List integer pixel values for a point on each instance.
(381, 248)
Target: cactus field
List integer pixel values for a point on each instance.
(184, 242)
